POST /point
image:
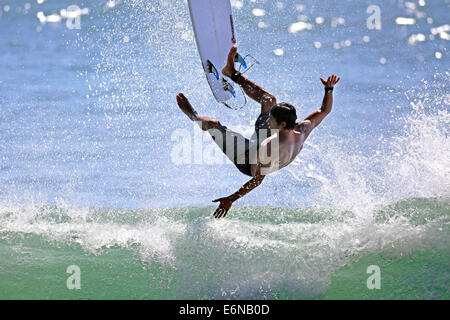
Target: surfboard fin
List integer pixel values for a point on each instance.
(212, 69)
(249, 63)
(238, 58)
(228, 87)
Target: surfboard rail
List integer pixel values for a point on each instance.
(213, 26)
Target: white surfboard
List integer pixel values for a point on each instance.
(212, 21)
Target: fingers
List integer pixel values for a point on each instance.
(220, 212)
(332, 80)
(223, 213)
(335, 78)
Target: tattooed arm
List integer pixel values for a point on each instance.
(253, 90)
(225, 203)
(257, 93)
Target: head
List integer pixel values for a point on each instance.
(282, 116)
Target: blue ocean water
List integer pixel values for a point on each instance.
(90, 134)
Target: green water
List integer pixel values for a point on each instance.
(39, 272)
(258, 253)
(421, 275)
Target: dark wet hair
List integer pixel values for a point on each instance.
(284, 112)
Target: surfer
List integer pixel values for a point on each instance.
(277, 134)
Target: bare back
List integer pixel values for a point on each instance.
(289, 147)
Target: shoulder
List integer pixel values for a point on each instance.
(303, 126)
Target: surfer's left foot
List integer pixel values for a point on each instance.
(229, 68)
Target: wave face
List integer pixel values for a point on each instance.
(258, 253)
(88, 141)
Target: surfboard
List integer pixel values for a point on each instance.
(213, 25)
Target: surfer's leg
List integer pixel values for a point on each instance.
(253, 90)
(204, 123)
(234, 146)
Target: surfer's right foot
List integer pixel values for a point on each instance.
(186, 107)
(204, 123)
(229, 68)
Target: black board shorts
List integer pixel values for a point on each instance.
(240, 146)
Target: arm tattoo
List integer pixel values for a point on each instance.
(253, 90)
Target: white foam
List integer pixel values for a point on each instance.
(80, 225)
(413, 163)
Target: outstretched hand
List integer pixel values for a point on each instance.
(222, 210)
(332, 80)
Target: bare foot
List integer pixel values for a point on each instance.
(186, 107)
(229, 68)
(204, 123)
